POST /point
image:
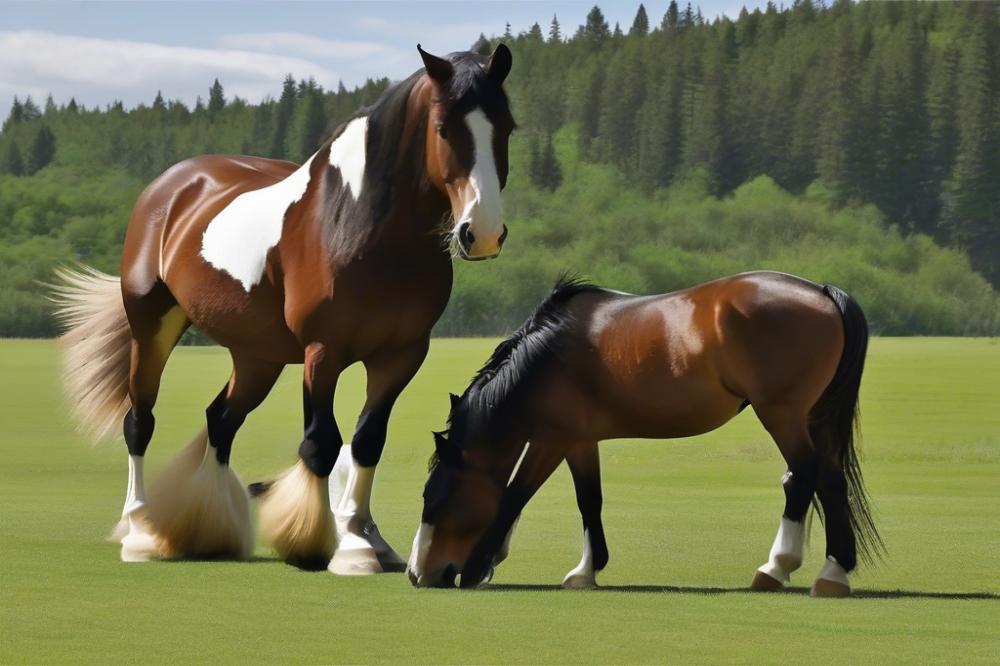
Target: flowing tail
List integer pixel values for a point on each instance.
(96, 348)
(835, 422)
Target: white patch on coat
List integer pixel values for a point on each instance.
(347, 153)
(481, 197)
(238, 239)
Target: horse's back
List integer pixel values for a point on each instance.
(163, 248)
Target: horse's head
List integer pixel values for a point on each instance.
(469, 125)
(461, 499)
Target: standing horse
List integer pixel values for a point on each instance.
(592, 364)
(343, 259)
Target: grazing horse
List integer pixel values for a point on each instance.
(592, 364)
(344, 259)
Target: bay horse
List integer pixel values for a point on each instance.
(592, 364)
(344, 259)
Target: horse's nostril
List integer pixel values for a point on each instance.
(503, 236)
(465, 235)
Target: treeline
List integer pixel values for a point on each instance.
(883, 116)
(892, 103)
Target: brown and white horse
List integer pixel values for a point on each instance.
(592, 364)
(345, 258)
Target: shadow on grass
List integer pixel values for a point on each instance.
(801, 591)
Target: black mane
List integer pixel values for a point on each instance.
(479, 415)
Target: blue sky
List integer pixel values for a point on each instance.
(102, 51)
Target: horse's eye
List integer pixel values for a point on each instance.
(441, 132)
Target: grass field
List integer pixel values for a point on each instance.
(687, 522)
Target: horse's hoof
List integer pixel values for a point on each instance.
(355, 562)
(579, 581)
(763, 583)
(830, 589)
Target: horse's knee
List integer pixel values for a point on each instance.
(223, 423)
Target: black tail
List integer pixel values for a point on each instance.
(835, 422)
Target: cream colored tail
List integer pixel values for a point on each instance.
(96, 348)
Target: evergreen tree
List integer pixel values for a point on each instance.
(12, 161)
(43, 149)
(158, 103)
(555, 36)
(30, 110)
(972, 207)
(283, 118)
(596, 28)
(507, 34)
(535, 33)
(216, 101)
(482, 47)
(312, 125)
(839, 143)
(640, 24)
(617, 34)
(15, 116)
(50, 106)
(72, 107)
(672, 18)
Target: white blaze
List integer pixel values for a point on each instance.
(481, 197)
(238, 239)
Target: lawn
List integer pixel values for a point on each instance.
(687, 522)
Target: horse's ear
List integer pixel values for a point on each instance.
(445, 449)
(454, 399)
(499, 66)
(439, 69)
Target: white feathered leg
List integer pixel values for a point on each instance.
(361, 550)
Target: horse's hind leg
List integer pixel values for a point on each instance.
(790, 432)
(157, 323)
(198, 507)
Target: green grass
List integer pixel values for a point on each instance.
(684, 518)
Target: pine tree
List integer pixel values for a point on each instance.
(43, 149)
(551, 173)
(15, 116)
(158, 103)
(482, 47)
(12, 161)
(30, 110)
(839, 143)
(50, 106)
(216, 101)
(535, 33)
(972, 207)
(640, 24)
(283, 118)
(72, 106)
(596, 28)
(617, 33)
(507, 34)
(313, 124)
(672, 18)
(555, 35)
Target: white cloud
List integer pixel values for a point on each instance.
(437, 38)
(310, 45)
(96, 70)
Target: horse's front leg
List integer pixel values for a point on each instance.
(585, 465)
(360, 547)
(537, 464)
